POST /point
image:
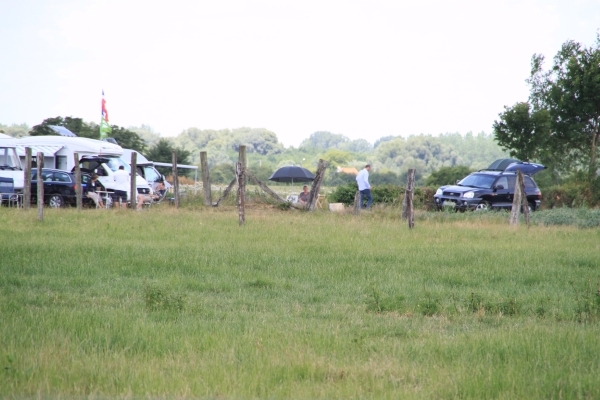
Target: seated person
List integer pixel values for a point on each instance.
(303, 198)
(90, 189)
(153, 196)
(159, 192)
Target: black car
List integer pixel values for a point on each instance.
(492, 188)
(59, 187)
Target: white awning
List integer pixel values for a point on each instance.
(47, 150)
(164, 164)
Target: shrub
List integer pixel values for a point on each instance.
(447, 175)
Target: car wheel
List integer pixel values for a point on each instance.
(483, 206)
(55, 201)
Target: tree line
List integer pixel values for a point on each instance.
(391, 156)
(559, 124)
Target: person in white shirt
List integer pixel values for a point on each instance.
(122, 183)
(364, 187)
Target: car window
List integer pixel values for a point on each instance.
(89, 165)
(61, 177)
(47, 176)
(151, 174)
(502, 181)
(34, 175)
(479, 181)
(511, 182)
(529, 183)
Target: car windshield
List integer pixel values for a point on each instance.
(478, 181)
(9, 159)
(114, 163)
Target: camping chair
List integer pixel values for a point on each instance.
(7, 192)
(320, 200)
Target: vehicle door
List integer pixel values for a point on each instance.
(34, 186)
(96, 165)
(502, 198)
(152, 176)
(63, 185)
(47, 177)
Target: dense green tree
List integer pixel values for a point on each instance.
(128, 139)
(44, 130)
(523, 132)
(146, 133)
(337, 157)
(569, 91)
(447, 175)
(222, 173)
(356, 146)
(75, 125)
(384, 178)
(15, 130)
(162, 151)
(324, 140)
(383, 140)
(259, 141)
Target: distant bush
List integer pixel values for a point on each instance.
(385, 194)
(572, 194)
(581, 217)
(447, 175)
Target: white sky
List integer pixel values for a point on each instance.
(365, 69)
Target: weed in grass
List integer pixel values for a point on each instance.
(261, 284)
(286, 206)
(379, 303)
(157, 297)
(429, 306)
(587, 300)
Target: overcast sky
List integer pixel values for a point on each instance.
(365, 69)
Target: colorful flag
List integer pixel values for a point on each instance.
(104, 125)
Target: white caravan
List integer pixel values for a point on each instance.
(10, 165)
(96, 156)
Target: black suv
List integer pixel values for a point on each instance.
(491, 188)
(59, 187)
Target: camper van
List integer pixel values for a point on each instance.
(146, 169)
(96, 156)
(10, 165)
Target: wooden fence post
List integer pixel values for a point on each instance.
(78, 183)
(524, 202)
(40, 186)
(175, 180)
(27, 185)
(239, 173)
(409, 212)
(357, 205)
(519, 200)
(205, 179)
(133, 181)
(316, 186)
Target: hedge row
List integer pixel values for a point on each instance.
(569, 195)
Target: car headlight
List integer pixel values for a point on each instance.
(439, 191)
(469, 195)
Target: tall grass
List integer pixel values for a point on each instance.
(185, 303)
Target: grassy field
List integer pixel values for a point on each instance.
(178, 303)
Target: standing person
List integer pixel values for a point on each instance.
(122, 183)
(363, 186)
(90, 189)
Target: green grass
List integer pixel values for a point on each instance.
(167, 303)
